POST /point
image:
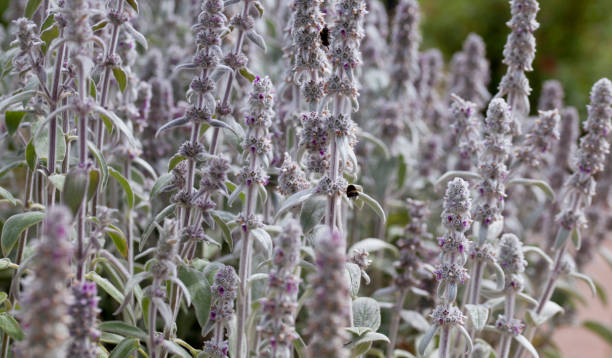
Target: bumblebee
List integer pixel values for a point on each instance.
(324, 34)
(352, 192)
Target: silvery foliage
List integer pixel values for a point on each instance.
(198, 170)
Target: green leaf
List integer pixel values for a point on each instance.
(101, 162)
(541, 184)
(550, 310)
(8, 196)
(107, 286)
(133, 4)
(50, 20)
(603, 331)
(399, 353)
(168, 210)
(117, 122)
(377, 143)
(199, 289)
(246, 73)
(49, 35)
(295, 199)
(366, 313)
(12, 120)
(576, 238)
(300, 347)
(374, 205)
(125, 348)
(6, 169)
(15, 225)
(30, 155)
(41, 142)
(402, 168)
(6, 263)
(118, 239)
(31, 8)
(125, 184)
(94, 183)
(163, 181)
(372, 244)
(177, 158)
(122, 328)
(478, 315)
(522, 340)
(121, 78)
(361, 344)
(176, 349)
(313, 211)
(3, 297)
(227, 234)
(9, 325)
(75, 188)
(16, 98)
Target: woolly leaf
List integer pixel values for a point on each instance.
(478, 315)
(373, 244)
(366, 313)
(15, 225)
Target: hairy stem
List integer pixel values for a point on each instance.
(395, 321)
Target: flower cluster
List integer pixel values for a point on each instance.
(29, 45)
(313, 138)
(594, 146)
(46, 298)
(307, 52)
(405, 42)
(412, 253)
(470, 72)
(430, 78)
(447, 315)
(540, 139)
(224, 291)
(511, 326)
(330, 300)
(464, 125)
(84, 311)
(291, 178)
(552, 96)
(493, 170)
(257, 144)
(519, 53)
(277, 325)
(510, 255)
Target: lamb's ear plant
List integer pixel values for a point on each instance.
(451, 273)
(576, 197)
(159, 199)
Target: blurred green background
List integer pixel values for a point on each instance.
(574, 41)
